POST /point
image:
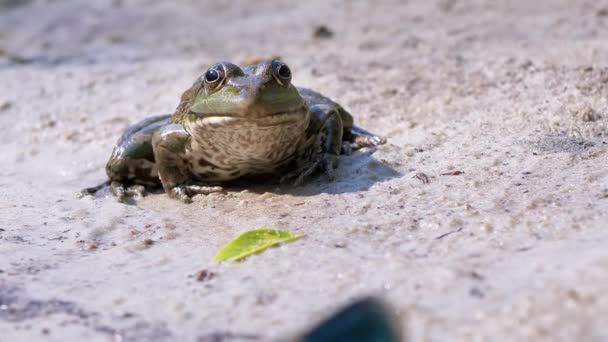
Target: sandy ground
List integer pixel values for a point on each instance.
(512, 93)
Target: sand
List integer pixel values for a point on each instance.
(502, 105)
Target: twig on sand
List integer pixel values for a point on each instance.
(453, 173)
(422, 177)
(449, 233)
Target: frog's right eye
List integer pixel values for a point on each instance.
(214, 77)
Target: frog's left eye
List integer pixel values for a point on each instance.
(281, 72)
(214, 77)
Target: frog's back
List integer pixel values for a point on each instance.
(313, 98)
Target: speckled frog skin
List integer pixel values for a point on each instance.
(234, 122)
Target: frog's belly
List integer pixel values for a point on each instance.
(233, 148)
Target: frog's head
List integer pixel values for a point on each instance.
(261, 92)
(252, 113)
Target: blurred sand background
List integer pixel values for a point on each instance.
(512, 93)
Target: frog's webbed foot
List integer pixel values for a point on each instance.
(185, 192)
(123, 192)
(359, 138)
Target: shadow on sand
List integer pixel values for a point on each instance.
(357, 172)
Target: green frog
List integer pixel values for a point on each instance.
(235, 122)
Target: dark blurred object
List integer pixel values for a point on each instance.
(323, 32)
(8, 4)
(12, 58)
(366, 320)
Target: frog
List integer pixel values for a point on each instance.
(235, 122)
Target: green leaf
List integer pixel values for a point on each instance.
(253, 241)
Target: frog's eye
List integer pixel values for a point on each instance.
(281, 72)
(214, 77)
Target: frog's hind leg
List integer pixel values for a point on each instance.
(323, 147)
(353, 137)
(356, 138)
(132, 166)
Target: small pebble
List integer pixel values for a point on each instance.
(204, 275)
(322, 32)
(5, 105)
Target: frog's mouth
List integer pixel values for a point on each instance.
(266, 119)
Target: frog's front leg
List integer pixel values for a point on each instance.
(171, 145)
(324, 145)
(131, 165)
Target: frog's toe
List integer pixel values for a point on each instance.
(185, 192)
(136, 191)
(326, 163)
(361, 138)
(294, 176)
(180, 193)
(92, 190)
(306, 173)
(330, 164)
(203, 190)
(361, 141)
(123, 193)
(347, 148)
(119, 191)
